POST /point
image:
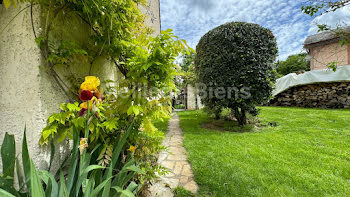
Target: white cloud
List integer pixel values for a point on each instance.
(340, 17)
(191, 19)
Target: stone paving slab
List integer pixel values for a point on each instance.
(175, 159)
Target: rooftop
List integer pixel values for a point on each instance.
(322, 38)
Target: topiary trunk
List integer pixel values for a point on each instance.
(217, 116)
(240, 115)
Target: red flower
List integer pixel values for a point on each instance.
(82, 111)
(85, 95)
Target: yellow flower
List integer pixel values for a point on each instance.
(88, 86)
(93, 80)
(132, 149)
(96, 101)
(93, 102)
(84, 105)
(83, 144)
(91, 83)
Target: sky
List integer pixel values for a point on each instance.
(191, 19)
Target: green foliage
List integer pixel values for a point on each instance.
(8, 151)
(118, 34)
(106, 130)
(187, 67)
(152, 60)
(293, 64)
(187, 60)
(315, 7)
(333, 66)
(113, 30)
(237, 55)
(60, 125)
(84, 178)
(162, 125)
(179, 106)
(213, 110)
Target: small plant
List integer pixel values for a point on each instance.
(82, 179)
(105, 123)
(333, 66)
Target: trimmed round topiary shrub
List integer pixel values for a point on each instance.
(234, 64)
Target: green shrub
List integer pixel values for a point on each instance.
(226, 114)
(180, 106)
(293, 64)
(237, 57)
(212, 110)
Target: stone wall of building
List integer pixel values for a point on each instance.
(192, 98)
(331, 52)
(22, 82)
(152, 10)
(323, 95)
(28, 95)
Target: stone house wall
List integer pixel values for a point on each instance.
(28, 95)
(331, 52)
(325, 48)
(153, 20)
(192, 98)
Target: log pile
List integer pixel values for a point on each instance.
(324, 95)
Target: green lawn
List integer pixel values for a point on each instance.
(307, 154)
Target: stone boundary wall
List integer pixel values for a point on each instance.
(323, 95)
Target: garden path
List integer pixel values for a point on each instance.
(175, 159)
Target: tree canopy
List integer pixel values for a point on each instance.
(235, 63)
(293, 63)
(318, 7)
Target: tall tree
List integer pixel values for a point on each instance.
(187, 60)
